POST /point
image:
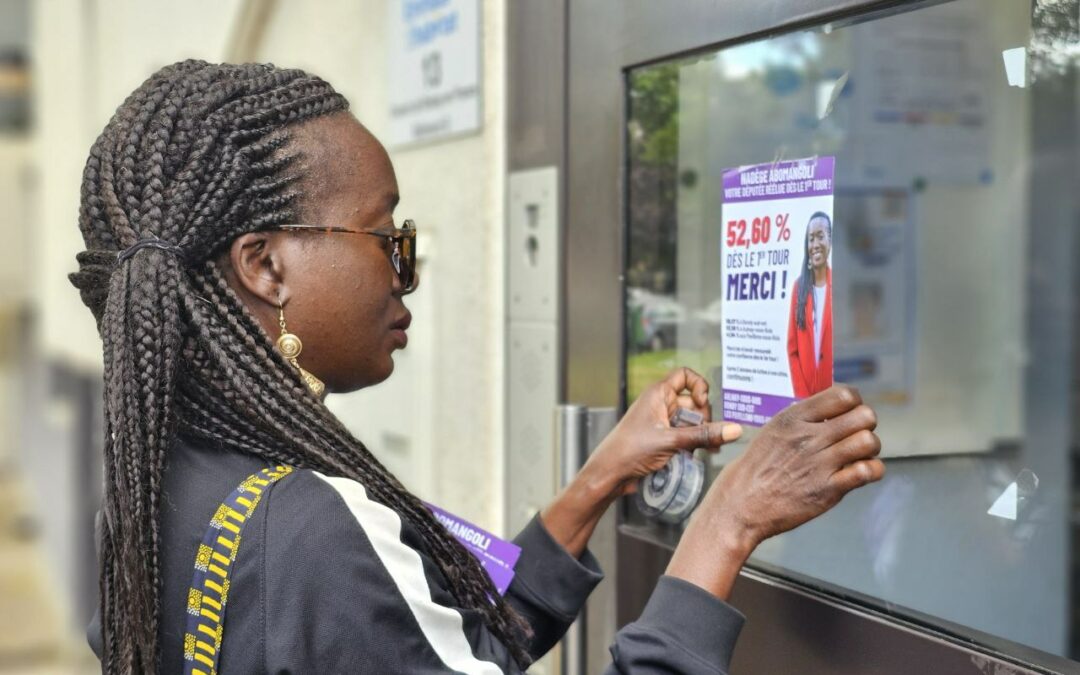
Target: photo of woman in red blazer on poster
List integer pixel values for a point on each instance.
(810, 345)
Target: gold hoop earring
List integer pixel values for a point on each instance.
(290, 347)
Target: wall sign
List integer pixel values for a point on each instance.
(433, 85)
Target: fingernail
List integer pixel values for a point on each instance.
(864, 470)
(732, 431)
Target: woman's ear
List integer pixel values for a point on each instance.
(258, 267)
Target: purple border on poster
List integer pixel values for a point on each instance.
(750, 408)
(788, 179)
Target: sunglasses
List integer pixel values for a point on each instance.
(401, 246)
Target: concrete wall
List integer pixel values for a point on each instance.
(446, 391)
(437, 421)
(87, 58)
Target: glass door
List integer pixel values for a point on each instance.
(955, 128)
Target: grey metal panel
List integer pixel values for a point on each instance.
(537, 54)
(533, 253)
(654, 30)
(593, 303)
(791, 629)
(531, 479)
(536, 78)
(573, 439)
(600, 624)
(536, 95)
(823, 637)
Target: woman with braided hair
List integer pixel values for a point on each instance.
(242, 262)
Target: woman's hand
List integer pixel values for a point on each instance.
(801, 464)
(644, 440)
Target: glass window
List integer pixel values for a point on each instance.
(955, 130)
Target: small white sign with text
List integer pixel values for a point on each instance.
(433, 69)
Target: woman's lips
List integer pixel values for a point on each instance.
(398, 328)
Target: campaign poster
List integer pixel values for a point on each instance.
(776, 269)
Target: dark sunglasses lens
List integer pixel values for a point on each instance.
(406, 263)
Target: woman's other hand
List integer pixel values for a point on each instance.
(801, 464)
(644, 440)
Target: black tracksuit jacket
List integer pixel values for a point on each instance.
(329, 581)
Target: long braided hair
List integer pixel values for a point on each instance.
(806, 276)
(196, 156)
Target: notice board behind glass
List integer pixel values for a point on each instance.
(955, 131)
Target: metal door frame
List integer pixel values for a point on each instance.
(791, 627)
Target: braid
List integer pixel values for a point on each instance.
(198, 155)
